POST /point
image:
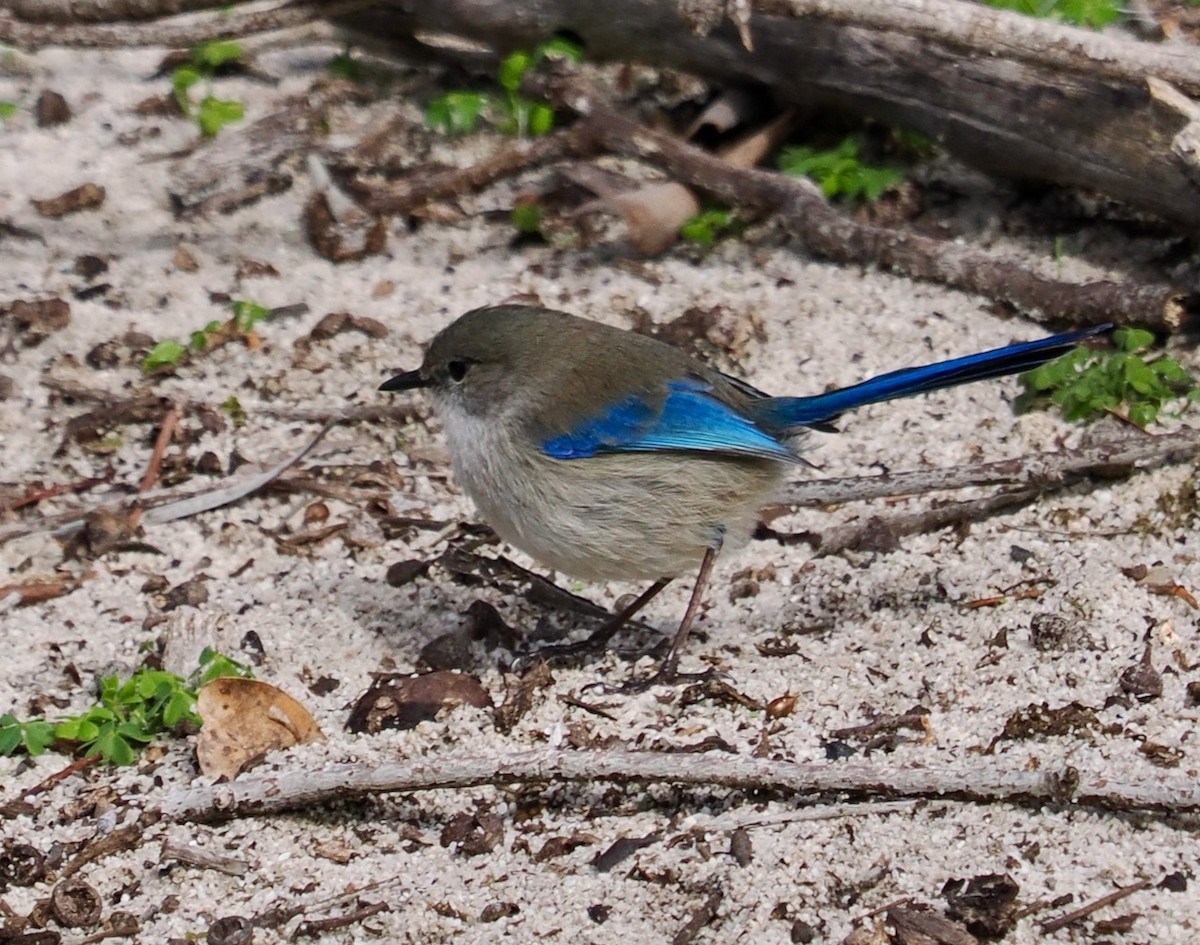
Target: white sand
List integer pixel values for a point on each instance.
(330, 613)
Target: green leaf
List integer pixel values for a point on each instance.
(182, 79)
(237, 413)
(838, 170)
(214, 665)
(178, 707)
(38, 736)
(1143, 414)
(541, 119)
(512, 70)
(199, 339)
(1093, 13)
(215, 53)
(213, 114)
(248, 314)
(560, 48)
(707, 226)
(344, 66)
(8, 110)
(165, 353)
(12, 734)
(1132, 339)
(455, 113)
(527, 217)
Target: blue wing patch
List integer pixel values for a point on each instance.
(690, 419)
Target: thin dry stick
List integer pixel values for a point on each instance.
(883, 533)
(407, 195)
(979, 781)
(830, 234)
(165, 432)
(1053, 925)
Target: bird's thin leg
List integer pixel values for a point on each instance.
(623, 616)
(600, 638)
(667, 671)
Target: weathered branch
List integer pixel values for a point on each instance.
(1043, 471)
(101, 28)
(829, 233)
(981, 780)
(1019, 97)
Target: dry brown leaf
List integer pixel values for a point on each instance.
(653, 214)
(243, 720)
(747, 151)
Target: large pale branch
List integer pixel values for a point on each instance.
(981, 780)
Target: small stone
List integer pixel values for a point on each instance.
(51, 109)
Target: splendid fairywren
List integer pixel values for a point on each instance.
(609, 455)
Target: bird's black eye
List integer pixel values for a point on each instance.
(457, 369)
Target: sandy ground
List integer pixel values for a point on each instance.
(876, 634)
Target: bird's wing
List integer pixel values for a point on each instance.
(687, 418)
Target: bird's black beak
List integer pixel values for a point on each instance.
(409, 380)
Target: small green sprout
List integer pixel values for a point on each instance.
(127, 716)
(8, 110)
(210, 113)
(248, 314)
(1085, 384)
(708, 226)
(1092, 13)
(199, 340)
(527, 218)
(170, 352)
(164, 353)
(457, 113)
(345, 66)
(839, 172)
(237, 413)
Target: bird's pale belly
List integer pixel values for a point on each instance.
(632, 516)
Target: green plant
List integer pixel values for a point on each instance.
(457, 113)
(838, 171)
(166, 352)
(210, 113)
(170, 351)
(1086, 383)
(707, 226)
(8, 110)
(1093, 13)
(345, 66)
(127, 715)
(527, 218)
(237, 413)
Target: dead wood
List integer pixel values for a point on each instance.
(832, 235)
(979, 781)
(1020, 97)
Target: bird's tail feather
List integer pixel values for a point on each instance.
(788, 413)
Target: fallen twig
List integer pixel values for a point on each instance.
(407, 195)
(165, 432)
(1053, 925)
(977, 781)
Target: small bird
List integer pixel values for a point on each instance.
(609, 455)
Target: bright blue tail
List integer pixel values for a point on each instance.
(780, 415)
